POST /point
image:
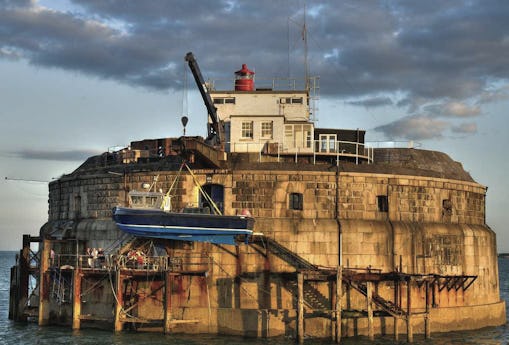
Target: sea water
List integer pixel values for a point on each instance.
(29, 333)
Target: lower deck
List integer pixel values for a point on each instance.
(197, 294)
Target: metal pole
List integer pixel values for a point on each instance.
(357, 153)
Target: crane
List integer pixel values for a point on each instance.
(216, 127)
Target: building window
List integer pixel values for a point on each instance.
(383, 203)
(296, 201)
(298, 136)
(291, 100)
(446, 207)
(267, 129)
(224, 100)
(247, 130)
(327, 142)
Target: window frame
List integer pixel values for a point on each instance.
(267, 133)
(247, 133)
(223, 100)
(291, 100)
(296, 201)
(382, 203)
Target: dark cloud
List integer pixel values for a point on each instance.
(69, 155)
(416, 127)
(372, 102)
(431, 50)
(15, 3)
(453, 109)
(428, 51)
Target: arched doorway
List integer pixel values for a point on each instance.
(216, 193)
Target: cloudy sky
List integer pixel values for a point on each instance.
(81, 76)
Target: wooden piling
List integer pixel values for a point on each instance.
(13, 293)
(22, 278)
(339, 306)
(119, 324)
(369, 308)
(409, 330)
(300, 307)
(427, 319)
(397, 302)
(44, 283)
(76, 309)
(167, 301)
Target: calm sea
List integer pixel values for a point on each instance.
(16, 333)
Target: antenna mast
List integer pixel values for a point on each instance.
(305, 38)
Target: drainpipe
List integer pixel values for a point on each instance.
(393, 256)
(336, 215)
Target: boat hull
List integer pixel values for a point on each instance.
(156, 223)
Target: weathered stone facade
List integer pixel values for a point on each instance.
(419, 225)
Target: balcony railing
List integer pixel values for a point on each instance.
(339, 149)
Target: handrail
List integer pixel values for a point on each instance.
(338, 148)
(273, 84)
(139, 261)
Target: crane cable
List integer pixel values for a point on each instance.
(205, 195)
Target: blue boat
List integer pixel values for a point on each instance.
(192, 224)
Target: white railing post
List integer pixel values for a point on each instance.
(314, 151)
(357, 153)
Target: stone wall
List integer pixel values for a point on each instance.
(411, 198)
(425, 226)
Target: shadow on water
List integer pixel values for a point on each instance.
(16, 333)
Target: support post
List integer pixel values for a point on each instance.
(236, 281)
(398, 303)
(300, 307)
(76, 309)
(427, 320)
(44, 283)
(167, 301)
(23, 277)
(369, 308)
(339, 306)
(409, 330)
(13, 293)
(119, 324)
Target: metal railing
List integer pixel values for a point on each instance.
(338, 149)
(275, 83)
(138, 261)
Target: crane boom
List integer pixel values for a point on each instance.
(215, 130)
